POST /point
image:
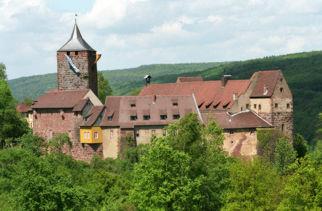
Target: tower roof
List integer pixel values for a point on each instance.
(76, 42)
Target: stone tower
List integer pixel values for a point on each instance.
(76, 64)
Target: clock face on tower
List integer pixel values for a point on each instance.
(72, 66)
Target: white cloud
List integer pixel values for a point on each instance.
(11, 9)
(134, 32)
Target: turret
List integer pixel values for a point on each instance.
(76, 64)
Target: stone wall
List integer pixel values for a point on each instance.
(85, 62)
(241, 143)
(145, 133)
(48, 122)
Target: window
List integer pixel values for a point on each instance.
(175, 103)
(110, 118)
(68, 53)
(95, 135)
(76, 53)
(153, 132)
(241, 109)
(283, 127)
(132, 105)
(288, 105)
(176, 116)
(163, 117)
(247, 106)
(133, 117)
(276, 105)
(231, 132)
(87, 135)
(281, 89)
(111, 134)
(137, 133)
(259, 107)
(255, 106)
(146, 117)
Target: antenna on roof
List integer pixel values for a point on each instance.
(75, 18)
(147, 79)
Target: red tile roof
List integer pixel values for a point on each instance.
(93, 116)
(118, 109)
(23, 108)
(208, 93)
(189, 79)
(60, 99)
(80, 105)
(241, 120)
(265, 83)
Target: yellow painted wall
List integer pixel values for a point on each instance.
(91, 139)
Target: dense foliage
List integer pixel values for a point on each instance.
(185, 171)
(12, 125)
(303, 72)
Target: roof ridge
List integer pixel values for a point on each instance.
(261, 118)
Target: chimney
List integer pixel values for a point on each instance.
(147, 79)
(225, 79)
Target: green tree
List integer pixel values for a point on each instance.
(104, 88)
(253, 186)
(57, 143)
(3, 75)
(204, 145)
(300, 145)
(12, 125)
(267, 140)
(161, 180)
(284, 155)
(33, 143)
(303, 190)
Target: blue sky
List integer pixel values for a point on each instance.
(130, 33)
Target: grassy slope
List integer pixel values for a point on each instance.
(303, 72)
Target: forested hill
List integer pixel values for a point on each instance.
(303, 72)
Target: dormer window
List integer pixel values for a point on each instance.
(133, 115)
(132, 105)
(110, 118)
(281, 89)
(175, 103)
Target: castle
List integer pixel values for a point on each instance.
(240, 107)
